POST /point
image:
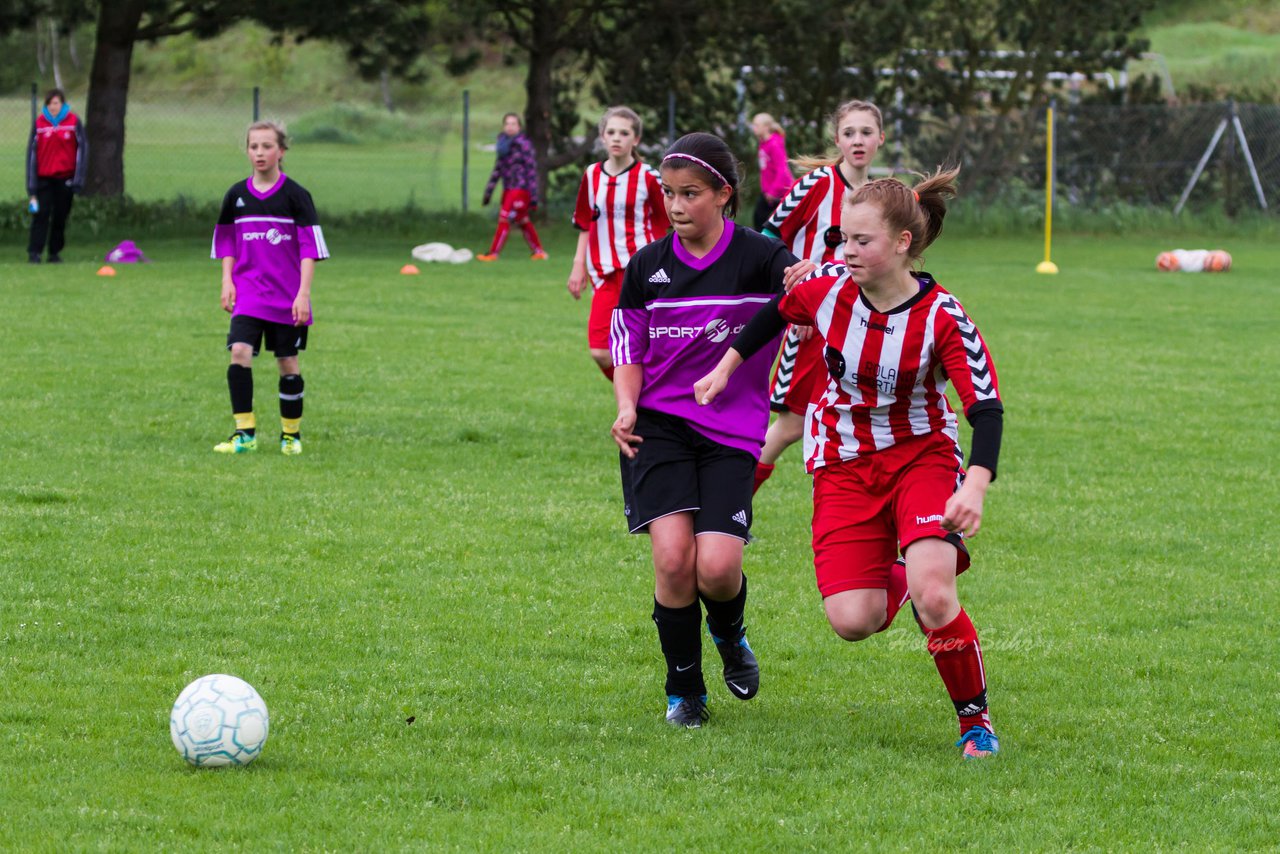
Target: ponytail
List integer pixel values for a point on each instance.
(919, 209)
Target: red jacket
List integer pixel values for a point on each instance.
(57, 151)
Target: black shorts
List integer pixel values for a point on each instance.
(676, 469)
(282, 339)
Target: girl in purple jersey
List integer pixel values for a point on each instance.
(269, 240)
(687, 470)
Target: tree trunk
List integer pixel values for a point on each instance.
(538, 87)
(109, 95)
(72, 51)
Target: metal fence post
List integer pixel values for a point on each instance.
(35, 99)
(256, 102)
(1229, 165)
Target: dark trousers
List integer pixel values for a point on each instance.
(50, 221)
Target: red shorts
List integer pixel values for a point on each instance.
(867, 510)
(603, 301)
(515, 206)
(801, 377)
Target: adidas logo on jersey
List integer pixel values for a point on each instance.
(660, 277)
(740, 517)
(239, 202)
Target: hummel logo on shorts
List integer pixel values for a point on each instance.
(660, 277)
(740, 517)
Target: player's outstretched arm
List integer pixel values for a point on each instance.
(797, 273)
(709, 387)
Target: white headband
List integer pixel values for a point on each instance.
(704, 164)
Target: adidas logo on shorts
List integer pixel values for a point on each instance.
(740, 517)
(660, 277)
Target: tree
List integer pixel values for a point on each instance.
(560, 42)
(387, 30)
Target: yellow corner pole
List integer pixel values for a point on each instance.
(1047, 266)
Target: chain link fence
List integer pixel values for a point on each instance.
(1198, 155)
(351, 156)
(357, 157)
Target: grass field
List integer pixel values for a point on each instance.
(450, 548)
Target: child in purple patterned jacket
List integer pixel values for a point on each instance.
(517, 168)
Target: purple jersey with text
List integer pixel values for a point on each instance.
(268, 233)
(678, 314)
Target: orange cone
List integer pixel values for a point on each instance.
(106, 270)
(409, 270)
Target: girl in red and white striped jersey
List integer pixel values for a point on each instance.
(881, 441)
(619, 210)
(808, 221)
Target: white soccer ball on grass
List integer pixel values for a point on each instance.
(218, 720)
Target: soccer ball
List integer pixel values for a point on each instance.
(1194, 260)
(218, 720)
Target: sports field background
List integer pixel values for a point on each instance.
(356, 157)
(450, 548)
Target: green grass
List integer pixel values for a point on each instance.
(1222, 49)
(450, 547)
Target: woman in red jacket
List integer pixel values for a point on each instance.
(56, 158)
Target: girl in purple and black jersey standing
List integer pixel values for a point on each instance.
(687, 470)
(269, 239)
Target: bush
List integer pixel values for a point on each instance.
(352, 124)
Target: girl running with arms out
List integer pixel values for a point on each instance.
(687, 469)
(619, 211)
(881, 441)
(269, 239)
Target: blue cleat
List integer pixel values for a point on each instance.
(979, 743)
(689, 712)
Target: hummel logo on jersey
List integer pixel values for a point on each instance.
(660, 277)
(239, 202)
(740, 517)
(866, 324)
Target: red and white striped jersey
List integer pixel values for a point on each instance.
(808, 219)
(889, 371)
(620, 213)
